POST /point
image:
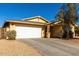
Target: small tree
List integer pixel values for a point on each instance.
(68, 15)
(71, 17)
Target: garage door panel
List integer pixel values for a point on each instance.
(28, 32)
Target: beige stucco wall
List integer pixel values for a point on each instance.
(12, 27)
(7, 28)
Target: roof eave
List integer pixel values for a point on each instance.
(25, 22)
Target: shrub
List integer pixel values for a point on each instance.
(11, 35)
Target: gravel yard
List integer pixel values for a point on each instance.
(16, 48)
(39, 47)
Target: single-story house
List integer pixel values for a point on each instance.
(34, 27)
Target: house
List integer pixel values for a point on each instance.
(34, 27)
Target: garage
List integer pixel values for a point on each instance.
(34, 27)
(28, 32)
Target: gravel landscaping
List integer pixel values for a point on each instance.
(16, 48)
(39, 47)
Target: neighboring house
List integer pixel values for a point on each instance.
(35, 27)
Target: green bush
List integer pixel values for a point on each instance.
(11, 35)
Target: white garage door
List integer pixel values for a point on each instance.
(28, 32)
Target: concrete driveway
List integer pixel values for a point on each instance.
(54, 47)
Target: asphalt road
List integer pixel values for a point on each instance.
(52, 47)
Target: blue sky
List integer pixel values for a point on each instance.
(19, 11)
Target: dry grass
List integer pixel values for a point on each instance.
(16, 48)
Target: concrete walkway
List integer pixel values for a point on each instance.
(52, 47)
